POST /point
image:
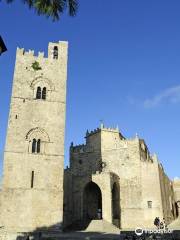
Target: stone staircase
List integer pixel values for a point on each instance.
(102, 226)
(95, 230)
(175, 225)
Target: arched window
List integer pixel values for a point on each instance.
(44, 93)
(34, 145)
(55, 52)
(38, 146)
(37, 139)
(38, 93)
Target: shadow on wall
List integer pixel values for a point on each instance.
(53, 233)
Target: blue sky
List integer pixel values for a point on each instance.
(124, 69)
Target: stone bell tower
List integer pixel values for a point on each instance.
(32, 191)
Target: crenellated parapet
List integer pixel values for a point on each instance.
(30, 53)
(116, 129)
(97, 130)
(77, 148)
(103, 128)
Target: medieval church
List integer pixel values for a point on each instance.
(110, 178)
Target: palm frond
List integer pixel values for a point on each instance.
(52, 8)
(72, 6)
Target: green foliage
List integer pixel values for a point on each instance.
(51, 8)
(36, 66)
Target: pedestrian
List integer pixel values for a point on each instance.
(161, 225)
(157, 222)
(164, 224)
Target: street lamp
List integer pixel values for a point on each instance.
(2, 46)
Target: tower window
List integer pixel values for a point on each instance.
(38, 93)
(41, 93)
(149, 203)
(36, 146)
(32, 179)
(44, 93)
(55, 52)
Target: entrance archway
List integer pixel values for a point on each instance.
(92, 202)
(115, 205)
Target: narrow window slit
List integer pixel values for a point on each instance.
(32, 179)
(55, 52)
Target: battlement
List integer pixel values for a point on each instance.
(22, 52)
(76, 148)
(110, 129)
(60, 46)
(97, 130)
(103, 128)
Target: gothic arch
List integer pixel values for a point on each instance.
(42, 81)
(38, 133)
(115, 191)
(92, 201)
(37, 141)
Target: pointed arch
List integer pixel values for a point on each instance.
(92, 201)
(115, 204)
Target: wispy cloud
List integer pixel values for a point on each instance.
(170, 95)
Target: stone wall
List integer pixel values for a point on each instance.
(145, 190)
(176, 186)
(32, 190)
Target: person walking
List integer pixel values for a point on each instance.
(157, 222)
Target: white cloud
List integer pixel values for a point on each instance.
(170, 95)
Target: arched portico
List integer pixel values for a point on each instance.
(116, 204)
(92, 202)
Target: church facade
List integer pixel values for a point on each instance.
(116, 179)
(110, 177)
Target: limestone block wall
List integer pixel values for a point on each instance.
(176, 187)
(68, 198)
(32, 190)
(103, 180)
(145, 190)
(167, 193)
(151, 192)
(122, 157)
(86, 159)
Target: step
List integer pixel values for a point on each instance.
(175, 225)
(102, 226)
